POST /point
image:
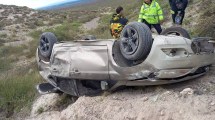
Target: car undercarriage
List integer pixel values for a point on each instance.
(86, 67)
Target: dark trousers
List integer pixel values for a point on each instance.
(181, 14)
(156, 26)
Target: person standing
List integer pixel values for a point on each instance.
(178, 10)
(151, 14)
(117, 23)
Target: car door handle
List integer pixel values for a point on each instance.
(75, 72)
(55, 70)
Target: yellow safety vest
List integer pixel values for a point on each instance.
(152, 13)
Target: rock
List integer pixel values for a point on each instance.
(212, 82)
(205, 90)
(212, 103)
(181, 112)
(186, 91)
(30, 71)
(144, 99)
(162, 113)
(155, 98)
(115, 98)
(167, 93)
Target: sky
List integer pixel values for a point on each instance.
(32, 3)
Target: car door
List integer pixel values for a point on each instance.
(89, 62)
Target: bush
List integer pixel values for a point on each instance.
(4, 65)
(18, 91)
(3, 35)
(9, 55)
(39, 23)
(67, 31)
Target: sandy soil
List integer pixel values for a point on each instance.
(93, 24)
(190, 100)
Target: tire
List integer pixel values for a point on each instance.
(47, 41)
(119, 58)
(89, 37)
(177, 31)
(135, 41)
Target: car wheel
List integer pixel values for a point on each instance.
(47, 41)
(179, 31)
(89, 37)
(135, 41)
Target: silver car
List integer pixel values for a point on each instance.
(89, 66)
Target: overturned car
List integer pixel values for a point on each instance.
(89, 66)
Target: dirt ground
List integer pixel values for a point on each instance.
(93, 24)
(189, 100)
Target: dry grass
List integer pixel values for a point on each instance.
(206, 24)
(18, 90)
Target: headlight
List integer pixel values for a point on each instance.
(195, 47)
(202, 45)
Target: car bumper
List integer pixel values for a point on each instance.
(179, 73)
(148, 82)
(172, 52)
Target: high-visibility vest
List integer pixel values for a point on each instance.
(117, 24)
(152, 13)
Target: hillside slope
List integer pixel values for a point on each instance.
(18, 71)
(190, 100)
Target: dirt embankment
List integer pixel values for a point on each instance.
(189, 100)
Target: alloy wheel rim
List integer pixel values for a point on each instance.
(44, 44)
(130, 41)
